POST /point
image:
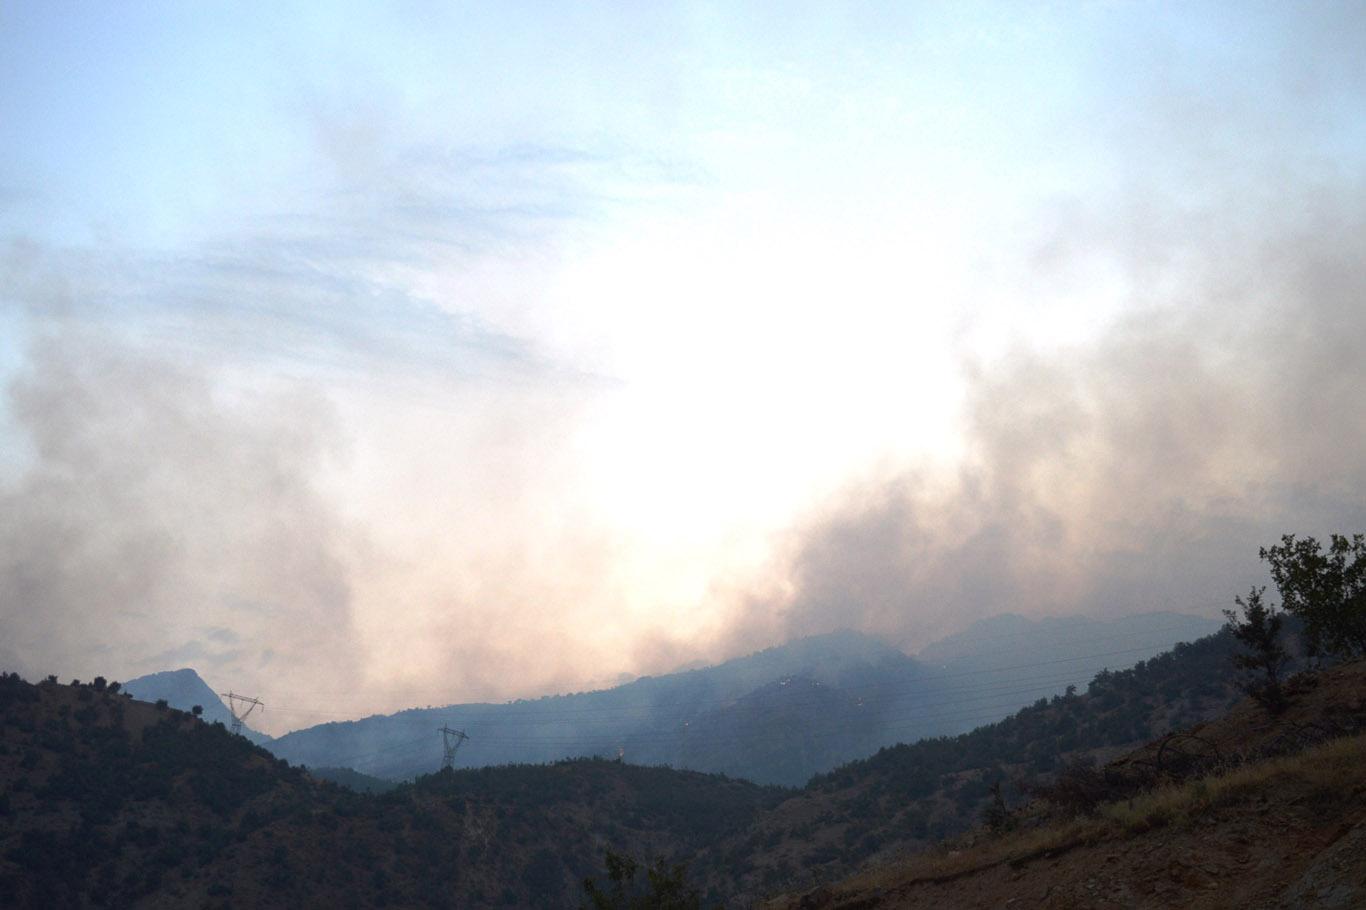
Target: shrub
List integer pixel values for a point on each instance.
(1078, 789)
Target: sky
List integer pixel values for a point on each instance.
(372, 355)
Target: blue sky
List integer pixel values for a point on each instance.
(583, 326)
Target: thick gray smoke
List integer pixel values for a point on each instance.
(1140, 471)
(159, 523)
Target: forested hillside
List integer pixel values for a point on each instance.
(104, 795)
(109, 801)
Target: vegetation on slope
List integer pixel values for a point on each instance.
(906, 798)
(113, 802)
(1282, 787)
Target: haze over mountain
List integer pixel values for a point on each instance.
(1053, 652)
(778, 716)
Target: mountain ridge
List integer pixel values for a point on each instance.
(666, 719)
(183, 689)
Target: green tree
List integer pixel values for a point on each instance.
(1259, 631)
(1325, 589)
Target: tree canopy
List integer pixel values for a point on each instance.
(1325, 589)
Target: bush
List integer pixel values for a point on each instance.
(1078, 789)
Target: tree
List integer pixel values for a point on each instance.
(1325, 590)
(665, 887)
(98, 683)
(197, 710)
(997, 815)
(1259, 631)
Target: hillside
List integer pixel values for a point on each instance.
(107, 795)
(907, 797)
(1249, 811)
(112, 801)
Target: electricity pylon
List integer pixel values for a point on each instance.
(239, 715)
(450, 742)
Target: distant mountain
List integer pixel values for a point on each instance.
(706, 719)
(777, 716)
(183, 689)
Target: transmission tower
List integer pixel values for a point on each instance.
(450, 742)
(241, 706)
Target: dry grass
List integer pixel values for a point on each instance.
(1329, 768)
(1325, 771)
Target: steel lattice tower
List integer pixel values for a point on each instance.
(450, 743)
(235, 705)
